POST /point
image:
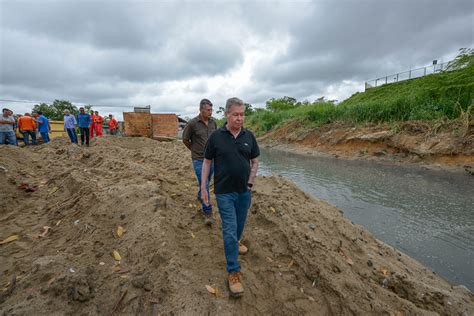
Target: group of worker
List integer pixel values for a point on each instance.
(89, 124)
(28, 125)
(231, 154)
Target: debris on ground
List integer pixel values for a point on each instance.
(305, 257)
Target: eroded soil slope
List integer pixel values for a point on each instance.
(448, 145)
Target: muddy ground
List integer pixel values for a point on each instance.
(439, 145)
(64, 204)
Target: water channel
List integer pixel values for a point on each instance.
(427, 214)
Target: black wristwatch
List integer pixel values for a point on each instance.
(250, 185)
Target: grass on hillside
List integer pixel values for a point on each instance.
(446, 95)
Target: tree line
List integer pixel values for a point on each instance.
(55, 111)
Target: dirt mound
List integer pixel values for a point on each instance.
(444, 144)
(64, 203)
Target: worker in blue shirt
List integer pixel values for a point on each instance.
(43, 126)
(84, 121)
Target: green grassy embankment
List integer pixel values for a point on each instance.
(443, 96)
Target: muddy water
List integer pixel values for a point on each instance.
(427, 214)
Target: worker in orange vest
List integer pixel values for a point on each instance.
(99, 122)
(113, 125)
(92, 127)
(27, 126)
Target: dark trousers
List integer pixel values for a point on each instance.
(85, 133)
(26, 137)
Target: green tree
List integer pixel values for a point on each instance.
(248, 109)
(56, 110)
(282, 104)
(221, 110)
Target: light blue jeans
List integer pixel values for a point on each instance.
(197, 164)
(45, 137)
(71, 132)
(233, 209)
(9, 137)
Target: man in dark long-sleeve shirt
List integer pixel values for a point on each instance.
(195, 137)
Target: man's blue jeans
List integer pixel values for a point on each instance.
(197, 164)
(9, 137)
(45, 137)
(71, 132)
(233, 208)
(26, 137)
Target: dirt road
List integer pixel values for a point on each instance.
(61, 205)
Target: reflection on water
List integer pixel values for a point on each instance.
(427, 214)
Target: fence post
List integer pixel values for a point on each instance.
(397, 77)
(385, 79)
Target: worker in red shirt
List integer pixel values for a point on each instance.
(99, 122)
(113, 125)
(92, 127)
(27, 126)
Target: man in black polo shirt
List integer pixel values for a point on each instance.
(195, 137)
(234, 151)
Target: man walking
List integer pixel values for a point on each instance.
(84, 121)
(113, 125)
(70, 126)
(235, 152)
(27, 126)
(7, 132)
(195, 136)
(44, 127)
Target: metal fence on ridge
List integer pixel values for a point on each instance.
(406, 75)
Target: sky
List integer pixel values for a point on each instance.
(119, 54)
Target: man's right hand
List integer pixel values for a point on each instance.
(187, 143)
(204, 196)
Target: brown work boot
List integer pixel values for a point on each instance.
(235, 284)
(242, 249)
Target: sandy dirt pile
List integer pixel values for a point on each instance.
(63, 252)
(448, 145)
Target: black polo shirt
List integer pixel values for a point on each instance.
(231, 159)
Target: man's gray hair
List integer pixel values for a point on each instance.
(233, 101)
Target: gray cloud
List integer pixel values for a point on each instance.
(171, 54)
(359, 40)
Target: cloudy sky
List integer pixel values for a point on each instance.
(170, 54)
